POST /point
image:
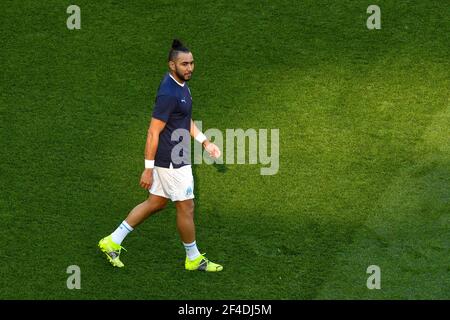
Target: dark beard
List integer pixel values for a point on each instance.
(181, 76)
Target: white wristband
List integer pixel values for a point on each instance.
(200, 137)
(149, 164)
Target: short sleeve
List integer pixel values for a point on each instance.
(164, 106)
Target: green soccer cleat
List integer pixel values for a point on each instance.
(112, 251)
(202, 264)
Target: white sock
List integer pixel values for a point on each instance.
(121, 232)
(191, 250)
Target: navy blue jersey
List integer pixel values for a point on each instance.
(173, 105)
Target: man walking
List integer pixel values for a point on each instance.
(168, 173)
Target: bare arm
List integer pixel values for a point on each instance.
(212, 149)
(151, 145)
(155, 128)
(195, 131)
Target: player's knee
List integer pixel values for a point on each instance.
(187, 210)
(189, 213)
(155, 206)
(190, 208)
(162, 205)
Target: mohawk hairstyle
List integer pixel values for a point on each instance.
(177, 47)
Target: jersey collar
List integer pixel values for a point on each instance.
(180, 84)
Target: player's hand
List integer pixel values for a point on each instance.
(213, 150)
(147, 179)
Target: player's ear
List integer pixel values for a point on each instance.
(172, 65)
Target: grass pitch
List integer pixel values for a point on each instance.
(364, 120)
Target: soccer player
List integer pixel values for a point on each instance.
(168, 174)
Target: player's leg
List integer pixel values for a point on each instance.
(137, 215)
(111, 245)
(145, 209)
(186, 229)
(185, 220)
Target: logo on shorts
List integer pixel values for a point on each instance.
(188, 191)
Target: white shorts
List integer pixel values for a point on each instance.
(176, 184)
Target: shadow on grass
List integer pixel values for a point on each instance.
(222, 168)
